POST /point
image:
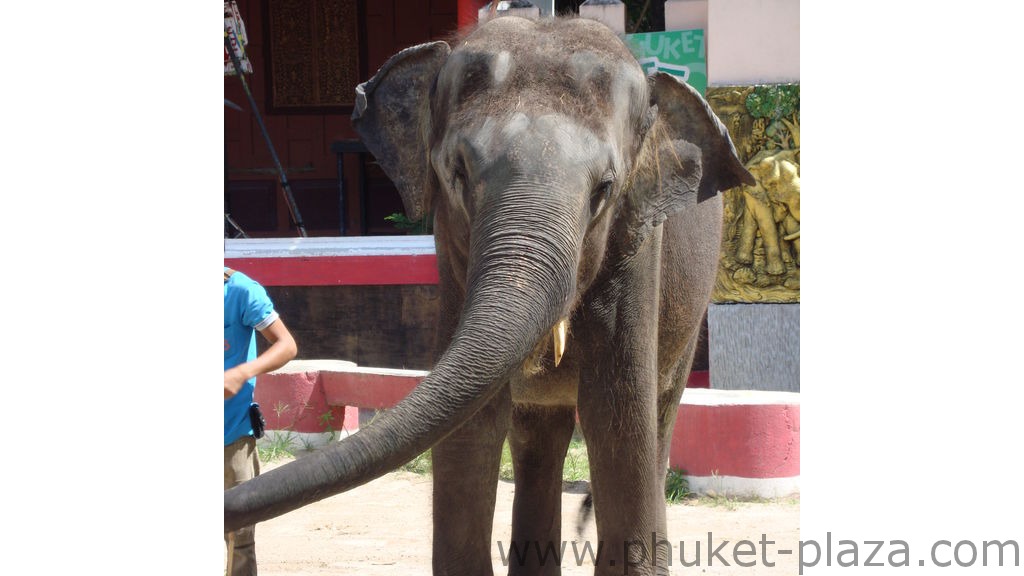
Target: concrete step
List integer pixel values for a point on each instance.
(738, 443)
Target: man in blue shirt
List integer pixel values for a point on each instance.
(247, 310)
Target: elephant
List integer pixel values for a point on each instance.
(577, 221)
(773, 205)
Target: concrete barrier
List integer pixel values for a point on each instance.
(310, 403)
(728, 442)
(738, 442)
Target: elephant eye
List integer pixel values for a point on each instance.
(458, 181)
(467, 191)
(459, 184)
(600, 196)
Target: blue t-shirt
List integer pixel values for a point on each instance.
(247, 308)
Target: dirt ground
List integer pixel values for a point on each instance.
(384, 528)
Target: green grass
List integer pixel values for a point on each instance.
(505, 467)
(576, 466)
(420, 464)
(282, 444)
(733, 502)
(716, 501)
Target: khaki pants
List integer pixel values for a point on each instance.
(242, 463)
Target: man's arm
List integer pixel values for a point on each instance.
(282, 349)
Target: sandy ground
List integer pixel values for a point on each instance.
(384, 528)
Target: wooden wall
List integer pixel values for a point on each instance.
(253, 195)
(382, 326)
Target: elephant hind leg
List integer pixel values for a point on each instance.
(669, 397)
(668, 410)
(465, 469)
(539, 440)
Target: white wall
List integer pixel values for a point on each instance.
(753, 41)
(686, 14)
(748, 41)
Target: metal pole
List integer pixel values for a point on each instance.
(289, 199)
(231, 221)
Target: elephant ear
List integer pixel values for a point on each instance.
(391, 116)
(687, 155)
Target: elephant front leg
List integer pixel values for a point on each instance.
(792, 228)
(465, 469)
(758, 217)
(617, 403)
(622, 447)
(539, 439)
(748, 233)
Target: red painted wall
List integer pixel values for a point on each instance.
(468, 10)
(340, 270)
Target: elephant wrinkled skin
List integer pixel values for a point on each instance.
(564, 185)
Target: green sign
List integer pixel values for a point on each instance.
(679, 52)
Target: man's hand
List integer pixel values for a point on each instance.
(282, 349)
(234, 378)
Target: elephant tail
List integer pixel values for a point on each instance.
(585, 513)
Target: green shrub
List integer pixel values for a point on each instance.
(677, 487)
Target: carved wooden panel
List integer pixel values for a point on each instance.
(313, 55)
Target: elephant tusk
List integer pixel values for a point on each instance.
(558, 332)
(792, 236)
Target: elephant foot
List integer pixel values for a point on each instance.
(775, 267)
(765, 281)
(745, 257)
(744, 276)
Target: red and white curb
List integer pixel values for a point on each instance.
(738, 442)
(345, 261)
(728, 443)
(310, 403)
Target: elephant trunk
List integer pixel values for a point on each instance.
(514, 297)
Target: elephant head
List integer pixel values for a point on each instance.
(779, 174)
(547, 159)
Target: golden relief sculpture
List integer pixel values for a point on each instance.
(760, 259)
